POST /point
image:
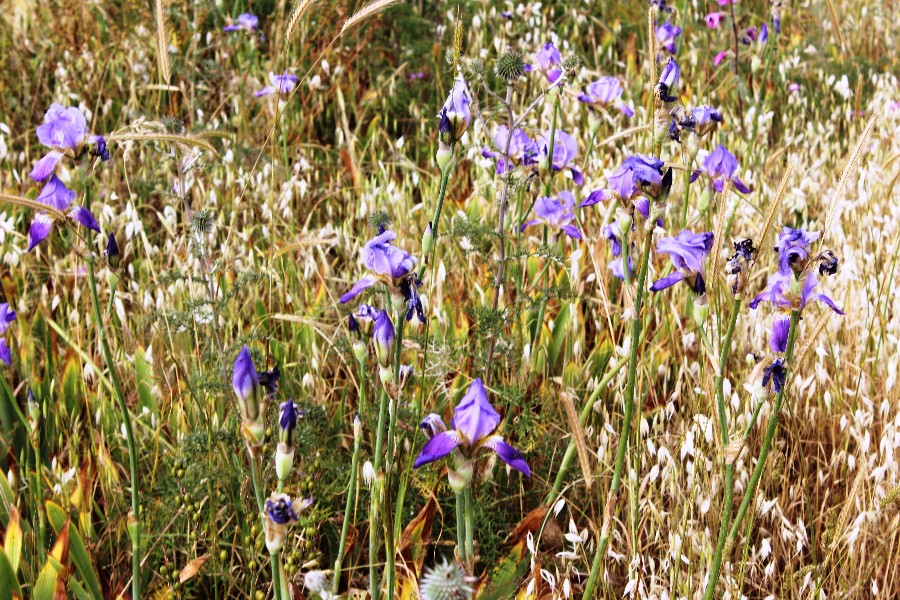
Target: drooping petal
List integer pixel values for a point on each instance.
(577, 176)
(739, 185)
(571, 231)
(39, 230)
(667, 281)
(5, 354)
(828, 302)
(269, 89)
(474, 417)
(45, 167)
(366, 282)
(84, 217)
(438, 447)
(507, 454)
(595, 197)
(56, 194)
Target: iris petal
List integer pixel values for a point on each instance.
(437, 448)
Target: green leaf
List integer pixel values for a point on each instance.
(7, 499)
(12, 542)
(9, 585)
(77, 550)
(560, 328)
(45, 588)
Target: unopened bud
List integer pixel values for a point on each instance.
(444, 156)
(427, 240)
(284, 461)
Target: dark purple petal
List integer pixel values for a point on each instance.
(39, 230)
(577, 176)
(739, 185)
(571, 231)
(5, 354)
(781, 326)
(507, 454)
(438, 447)
(84, 217)
(667, 281)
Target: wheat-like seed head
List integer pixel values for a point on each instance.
(845, 175)
(300, 9)
(162, 46)
(369, 10)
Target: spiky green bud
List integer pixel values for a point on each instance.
(446, 581)
(510, 66)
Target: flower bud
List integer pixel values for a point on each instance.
(360, 350)
(284, 461)
(593, 122)
(112, 252)
(701, 312)
(460, 477)
(246, 386)
(427, 240)
(705, 199)
(386, 375)
(443, 156)
(357, 427)
(384, 334)
(34, 412)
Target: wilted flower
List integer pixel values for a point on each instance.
(556, 212)
(719, 167)
(736, 267)
(565, 150)
(705, 119)
(472, 428)
(713, 19)
(246, 21)
(666, 35)
(281, 511)
(667, 86)
(522, 149)
(549, 61)
(776, 373)
(7, 316)
(282, 84)
(455, 116)
(687, 250)
(606, 92)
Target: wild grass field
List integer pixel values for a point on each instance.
(443, 300)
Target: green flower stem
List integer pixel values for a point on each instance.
(435, 222)
(277, 579)
(687, 193)
(390, 550)
(636, 326)
(729, 466)
(129, 436)
(373, 499)
(348, 506)
(547, 189)
(461, 526)
(470, 528)
(771, 428)
(569, 456)
(38, 492)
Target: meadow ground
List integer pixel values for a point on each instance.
(447, 300)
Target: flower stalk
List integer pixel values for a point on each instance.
(612, 495)
(135, 529)
(348, 506)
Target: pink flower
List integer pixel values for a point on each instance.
(713, 19)
(720, 57)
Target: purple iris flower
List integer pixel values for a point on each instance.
(713, 19)
(288, 416)
(720, 166)
(605, 92)
(668, 81)
(786, 292)
(282, 84)
(613, 234)
(7, 316)
(246, 21)
(549, 61)
(793, 247)
(666, 35)
(763, 35)
(522, 149)
(639, 174)
(556, 212)
(64, 131)
(388, 263)
(777, 374)
(56, 195)
(455, 116)
(473, 425)
(687, 251)
(565, 150)
(705, 119)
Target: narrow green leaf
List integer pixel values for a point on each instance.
(9, 585)
(77, 550)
